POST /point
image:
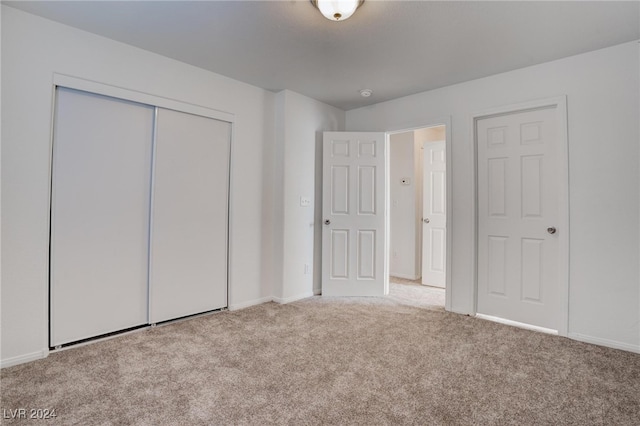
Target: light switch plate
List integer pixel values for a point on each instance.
(305, 202)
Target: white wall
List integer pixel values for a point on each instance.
(32, 50)
(402, 220)
(300, 122)
(602, 89)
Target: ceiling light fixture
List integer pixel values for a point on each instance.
(337, 10)
(365, 93)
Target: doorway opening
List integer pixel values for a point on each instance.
(418, 199)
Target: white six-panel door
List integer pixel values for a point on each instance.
(354, 229)
(434, 214)
(518, 217)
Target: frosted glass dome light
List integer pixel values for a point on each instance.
(337, 10)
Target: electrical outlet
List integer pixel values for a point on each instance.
(307, 269)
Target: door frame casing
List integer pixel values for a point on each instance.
(560, 105)
(445, 121)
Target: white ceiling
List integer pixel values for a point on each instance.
(395, 48)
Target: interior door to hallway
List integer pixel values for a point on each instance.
(354, 235)
(519, 212)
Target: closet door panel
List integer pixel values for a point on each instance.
(188, 270)
(100, 215)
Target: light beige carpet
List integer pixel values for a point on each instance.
(370, 361)
(411, 292)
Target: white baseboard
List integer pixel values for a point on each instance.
(405, 276)
(604, 342)
(317, 291)
(293, 298)
(238, 306)
(518, 324)
(21, 359)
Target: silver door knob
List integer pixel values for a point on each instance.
(426, 220)
(327, 222)
(551, 230)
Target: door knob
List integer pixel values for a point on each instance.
(551, 230)
(426, 220)
(327, 222)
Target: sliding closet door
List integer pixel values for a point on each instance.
(99, 215)
(188, 271)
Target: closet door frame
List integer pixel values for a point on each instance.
(140, 97)
(70, 82)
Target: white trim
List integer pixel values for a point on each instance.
(563, 219)
(284, 301)
(230, 194)
(21, 359)
(152, 191)
(141, 97)
(47, 284)
(448, 295)
(51, 253)
(560, 105)
(317, 291)
(386, 259)
(517, 324)
(605, 342)
(249, 303)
